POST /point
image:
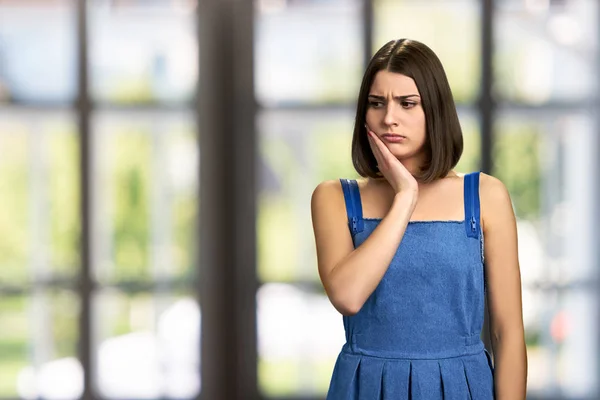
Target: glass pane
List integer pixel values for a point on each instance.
(148, 345)
(546, 50)
(39, 346)
(517, 161)
(39, 188)
(308, 51)
(450, 28)
(143, 51)
(299, 337)
(146, 185)
(575, 329)
(560, 336)
(297, 151)
(544, 160)
(471, 157)
(37, 51)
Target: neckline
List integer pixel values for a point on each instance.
(425, 221)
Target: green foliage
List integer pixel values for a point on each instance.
(277, 239)
(15, 201)
(331, 154)
(14, 345)
(471, 157)
(184, 217)
(128, 181)
(284, 232)
(9, 371)
(285, 377)
(517, 165)
(64, 327)
(65, 228)
(131, 184)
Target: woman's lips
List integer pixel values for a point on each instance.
(393, 138)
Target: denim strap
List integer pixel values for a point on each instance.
(472, 209)
(353, 205)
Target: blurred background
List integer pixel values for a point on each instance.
(101, 137)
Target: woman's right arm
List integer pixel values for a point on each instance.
(350, 275)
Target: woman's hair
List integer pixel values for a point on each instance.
(443, 134)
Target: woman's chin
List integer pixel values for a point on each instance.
(403, 155)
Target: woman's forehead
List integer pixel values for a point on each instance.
(393, 82)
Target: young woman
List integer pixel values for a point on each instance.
(401, 252)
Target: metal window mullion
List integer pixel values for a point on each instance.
(487, 108)
(367, 30)
(227, 219)
(83, 109)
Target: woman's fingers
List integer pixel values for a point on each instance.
(380, 150)
(375, 148)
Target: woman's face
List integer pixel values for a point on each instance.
(395, 114)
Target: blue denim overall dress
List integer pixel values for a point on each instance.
(418, 335)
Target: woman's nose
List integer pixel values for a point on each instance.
(389, 119)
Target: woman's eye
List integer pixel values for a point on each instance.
(375, 104)
(408, 104)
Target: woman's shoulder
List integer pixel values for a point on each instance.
(331, 190)
(492, 188)
(326, 192)
(327, 186)
(335, 185)
(488, 185)
(496, 204)
(327, 201)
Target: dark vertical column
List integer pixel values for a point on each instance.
(227, 231)
(367, 23)
(486, 112)
(86, 195)
(486, 100)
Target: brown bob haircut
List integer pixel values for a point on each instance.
(443, 134)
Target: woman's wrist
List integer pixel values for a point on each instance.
(406, 198)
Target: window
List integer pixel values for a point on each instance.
(144, 317)
(141, 319)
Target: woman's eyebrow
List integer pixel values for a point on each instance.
(395, 97)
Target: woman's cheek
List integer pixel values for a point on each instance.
(371, 118)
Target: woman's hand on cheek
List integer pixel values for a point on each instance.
(390, 167)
